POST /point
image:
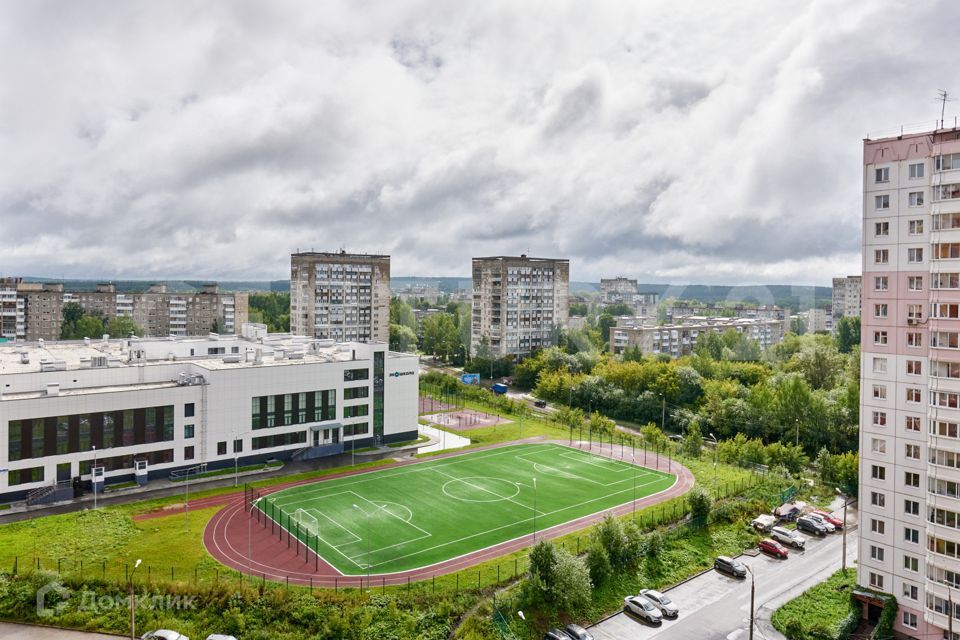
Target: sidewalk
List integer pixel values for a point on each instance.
(11, 631)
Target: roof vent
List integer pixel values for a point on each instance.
(53, 389)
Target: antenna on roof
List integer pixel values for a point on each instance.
(943, 97)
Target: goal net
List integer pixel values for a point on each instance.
(306, 521)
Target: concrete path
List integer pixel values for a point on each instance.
(9, 631)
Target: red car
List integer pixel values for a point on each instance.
(773, 547)
(834, 520)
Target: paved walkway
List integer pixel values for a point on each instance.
(9, 631)
(236, 540)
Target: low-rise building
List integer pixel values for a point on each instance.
(763, 312)
(419, 293)
(141, 408)
(679, 339)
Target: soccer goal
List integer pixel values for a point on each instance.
(306, 521)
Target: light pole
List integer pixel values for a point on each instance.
(663, 411)
(715, 448)
(752, 593)
(845, 502)
(798, 432)
(130, 593)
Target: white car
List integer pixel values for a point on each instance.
(828, 525)
(164, 634)
(663, 602)
(640, 606)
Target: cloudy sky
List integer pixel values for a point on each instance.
(669, 141)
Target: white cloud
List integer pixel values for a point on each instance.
(669, 142)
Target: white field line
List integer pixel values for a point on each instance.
(493, 493)
(547, 469)
(356, 538)
(603, 463)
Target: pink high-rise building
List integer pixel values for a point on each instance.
(910, 378)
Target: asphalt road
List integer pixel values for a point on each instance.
(27, 632)
(714, 606)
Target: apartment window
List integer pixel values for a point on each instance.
(911, 507)
(914, 312)
(914, 368)
(914, 339)
(911, 564)
(881, 202)
(945, 340)
(880, 283)
(944, 429)
(911, 479)
(878, 499)
(880, 392)
(913, 395)
(915, 170)
(188, 410)
(910, 591)
(877, 526)
(876, 581)
(912, 451)
(916, 200)
(911, 535)
(909, 619)
(912, 423)
(915, 283)
(221, 448)
(880, 420)
(915, 254)
(876, 553)
(879, 365)
(948, 399)
(945, 369)
(880, 310)
(187, 431)
(946, 250)
(946, 192)
(946, 162)
(944, 221)
(881, 174)
(881, 229)
(945, 280)
(881, 256)
(945, 310)
(188, 453)
(878, 472)
(880, 337)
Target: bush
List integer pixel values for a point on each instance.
(598, 562)
(700, 505)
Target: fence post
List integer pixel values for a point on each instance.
(336, 585)
(434, 579)
(383, 585)
(478, 579)
(58, 566)
(458, 583)
(514, 567)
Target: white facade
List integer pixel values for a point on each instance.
(183, 402)
(846, 297)
(679, 339)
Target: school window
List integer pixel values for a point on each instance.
(881, 229)
(877, 526)
(878, 499)
(881, 202)
(881, 174)
(221, 448)
(881, 256)
(188, 453)
(188, 410)
(916, 200)
(911, 507)
(915, 254)
(880, 283)
(915, 283)
(187, 431)
(878, 473)
(911, 535)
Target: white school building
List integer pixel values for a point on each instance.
(142, 408)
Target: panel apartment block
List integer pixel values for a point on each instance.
(176, 403)
(519, 302)
(910, 381)
(847, 297)
(340, 296)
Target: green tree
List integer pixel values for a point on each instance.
(441, 337)
(123, 327)
(402, 338)
(71, 314)
(710, 344)
(798, 326)
(848, 333)
(88, 327)
(602, 424)
(598, 563)
(700, 505)
(618, 309)
(270, 308)
(603, 324)
(693, 439)
(401, 313)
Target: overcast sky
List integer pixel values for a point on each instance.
(667, 141)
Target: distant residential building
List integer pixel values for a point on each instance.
(37, 309)
(340, 296)
(764, 312)
(519, 302)
(419, 293)
(622, 290)
(679, 339)
(847, 297)
(816, 320)
(575, 323)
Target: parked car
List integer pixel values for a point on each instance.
(763, 522)
(661, 601)
(638, 605)
(220, 636)
(832, 519)
(730, 566)
(541, 404)
(555, 634)
(788, 537)
(811, 525)
(771, 546)
(577, 632)
(826, 524)
(164, 634)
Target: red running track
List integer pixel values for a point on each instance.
(238, 540)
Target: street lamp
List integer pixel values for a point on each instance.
(130, 593)
(752, 593)
(798, 432)
(846, 501)
(715, 449)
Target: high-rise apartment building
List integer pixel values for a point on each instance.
(519, 302)
(340, 296)
(34, 311)
(622, 290)
(846, 297)
(910, 381)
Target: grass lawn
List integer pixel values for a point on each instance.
(409, 517)
(820, 611)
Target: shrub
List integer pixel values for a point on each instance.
(700, 505)
(598, 562)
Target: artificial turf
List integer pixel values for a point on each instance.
(414, 516)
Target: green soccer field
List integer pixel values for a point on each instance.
(413, 516)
